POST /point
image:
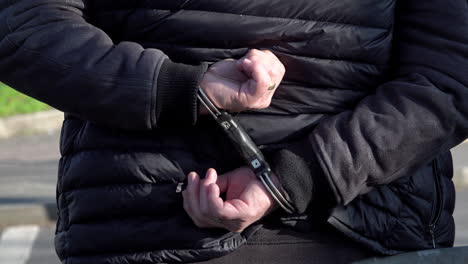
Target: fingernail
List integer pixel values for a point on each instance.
(191, 176)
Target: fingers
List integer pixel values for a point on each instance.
(247, 83)
(214, 203)
(222, 182)
(191, 194)
(247, 200)
(238, 75)
(202, 200)
(274, 67)
(210, 179)
(266, 73)
(260, 79)
(254, 93)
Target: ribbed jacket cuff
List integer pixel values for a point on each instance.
(301, 176)
(176, 99)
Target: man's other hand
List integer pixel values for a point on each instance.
(247, 83)
(246, 201)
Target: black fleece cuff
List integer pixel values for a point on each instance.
(301, 176)
(176, 98)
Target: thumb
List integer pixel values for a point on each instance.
(222, 182)
(243, 66)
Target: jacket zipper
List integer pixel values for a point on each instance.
(438, 200)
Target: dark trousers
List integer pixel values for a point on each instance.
(283, 245)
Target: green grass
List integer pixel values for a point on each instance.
(13, 103)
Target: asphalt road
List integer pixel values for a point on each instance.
(28, 171)
(27, 245)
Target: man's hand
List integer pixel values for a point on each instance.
(247, 83)
(246, 202)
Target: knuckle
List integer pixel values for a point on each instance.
(255, 63)
(254, 51)
(203, 185)
(255, 59)
(261, 105)
(256, 105)
(283, 69)
(280, 70)
(268, 52)
(250, 215)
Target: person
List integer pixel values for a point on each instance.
(355, 105)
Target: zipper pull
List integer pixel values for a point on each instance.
(431, 230)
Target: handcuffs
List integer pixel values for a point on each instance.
(247, 149)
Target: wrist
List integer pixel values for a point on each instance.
(276, 192)
(274, 178)
(202, 110)
(275, 205)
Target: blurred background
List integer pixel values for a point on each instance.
(29, 136)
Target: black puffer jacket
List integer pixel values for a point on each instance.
(375, 93)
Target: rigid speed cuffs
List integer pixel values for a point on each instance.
(247, 149)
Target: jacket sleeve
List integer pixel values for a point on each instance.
(421, 112)
(50, 52)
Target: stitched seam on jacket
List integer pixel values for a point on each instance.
(350, 61)
(395, 175)
(124, 150)
(128, 82)
(280, 242)
(125, 81)
(292, 19)
(66, 66)
(116, 185)
(257, 16)
(99, 220)
(176, 250)
(338, 60)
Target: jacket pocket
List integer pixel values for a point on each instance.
(437, 201)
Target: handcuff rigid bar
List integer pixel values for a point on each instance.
(247, 149)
